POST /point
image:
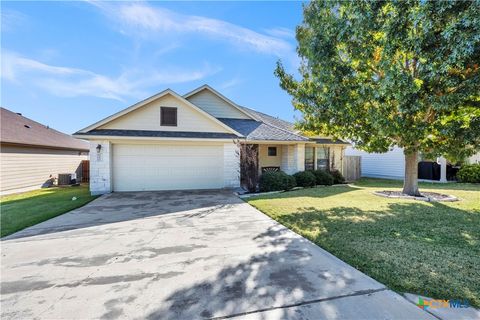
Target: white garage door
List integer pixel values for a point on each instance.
(167, 167)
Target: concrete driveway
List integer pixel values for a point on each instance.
(181, 255)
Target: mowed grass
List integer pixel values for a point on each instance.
(432, 249)
(23, 210)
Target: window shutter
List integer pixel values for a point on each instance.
(168, 116)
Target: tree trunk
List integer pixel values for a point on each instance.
(249, 166)
(410, 184)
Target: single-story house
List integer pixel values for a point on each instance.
(31, 153)
(173, 142)
(391, 164)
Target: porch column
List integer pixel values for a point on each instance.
(443, 168)
(299, 156)
(287, 159)
(100, 167)
(293, 158)
(231, 165)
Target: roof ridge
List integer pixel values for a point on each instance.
(266, 114)
(274, 126)
(290, 132)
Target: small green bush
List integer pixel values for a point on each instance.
(323, 178)
(469, 173)
(290, 182)
(276, 181)
(305, 179)
(337, 177)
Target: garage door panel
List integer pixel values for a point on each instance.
(167, 167)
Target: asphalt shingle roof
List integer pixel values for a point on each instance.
(256, 130)
(276, 122)
(328, 141)
(272, 123)
(163, 134)
(17, 129)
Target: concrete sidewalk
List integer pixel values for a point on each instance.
(182, 255)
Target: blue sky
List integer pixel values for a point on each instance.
(70, 64)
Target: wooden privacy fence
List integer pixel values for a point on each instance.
(352, 167)
(85, 170)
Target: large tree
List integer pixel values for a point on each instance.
(384, 74)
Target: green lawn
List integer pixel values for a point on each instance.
(432, 249)
(26, 209)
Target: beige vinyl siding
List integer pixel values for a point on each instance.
(337, 153)
(148, 118)
(23, 167)
(264, 160)
(216, 106)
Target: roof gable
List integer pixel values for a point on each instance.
(145, 115)
(216, 104)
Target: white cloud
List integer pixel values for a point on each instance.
(141, 19)
(281, 32)
(73, 82)
(11, 19)
(231, 83)
(166, 49)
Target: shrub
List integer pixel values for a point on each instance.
(290, 182)
(305, 179)
(469, 173)
(337, 177)
(276, 181)
(323, 177)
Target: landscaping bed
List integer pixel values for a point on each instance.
(425, 196)
(427, 248)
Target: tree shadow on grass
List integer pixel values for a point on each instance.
(424, 248)
(316, 192)
(384, 183)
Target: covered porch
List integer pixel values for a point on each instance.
(291, 157)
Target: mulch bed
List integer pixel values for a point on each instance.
(425, 196)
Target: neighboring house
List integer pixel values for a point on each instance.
(32, 153)
(474, 159)
(391, 164)
(169, 142)
(388, 165)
